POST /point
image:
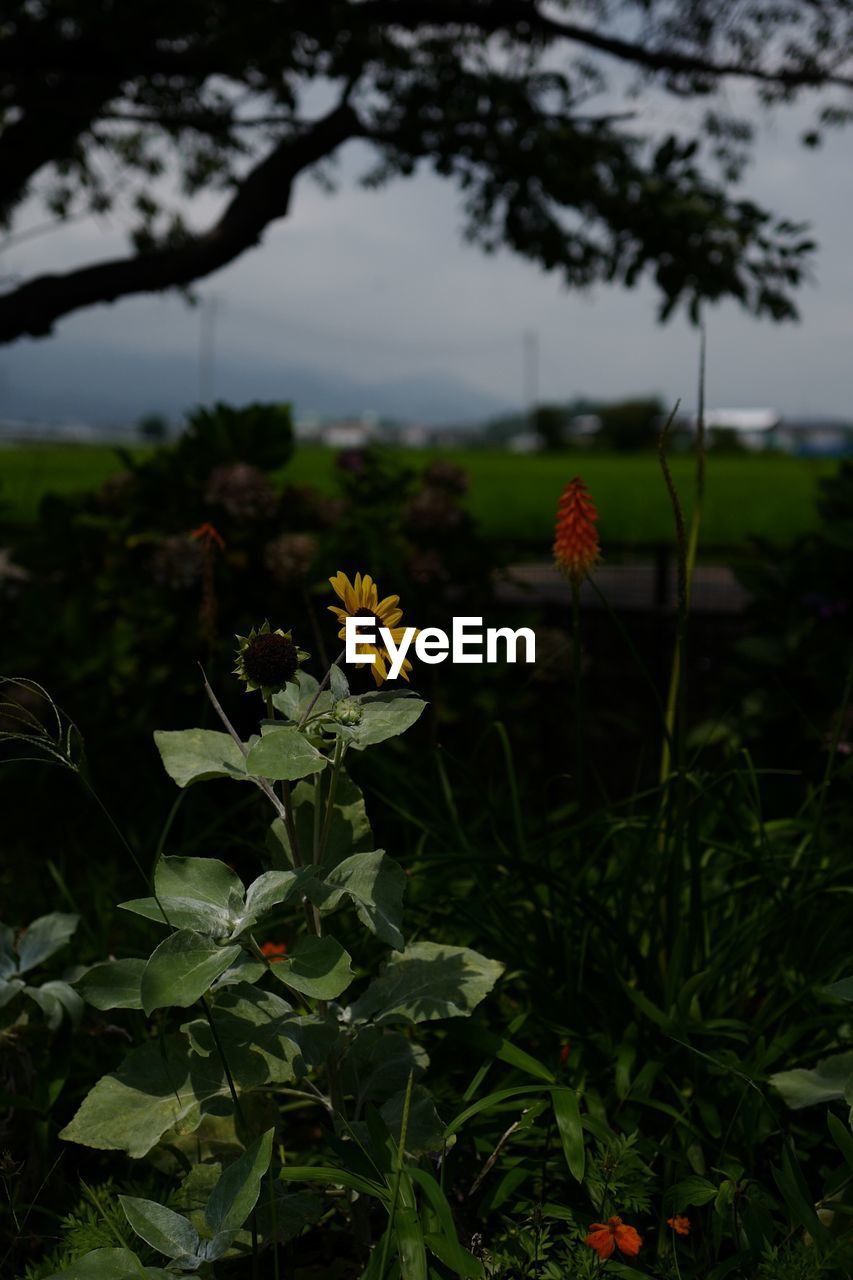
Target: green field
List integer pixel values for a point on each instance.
(513, 497)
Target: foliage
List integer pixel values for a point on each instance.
(263, 1029)
(497, 97)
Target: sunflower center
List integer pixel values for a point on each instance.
(271, 660)
(368, 613)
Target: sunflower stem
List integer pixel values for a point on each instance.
(323, 683)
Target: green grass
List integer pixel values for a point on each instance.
(28, 472)
(514, 497)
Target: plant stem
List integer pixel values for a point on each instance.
(576, 670)
(322, 685)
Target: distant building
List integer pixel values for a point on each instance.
(766, 429)
(524, 442)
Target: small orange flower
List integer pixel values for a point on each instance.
(564, 1054)
(604, 1237)
(274, 951)
(208, 534)
(576, 547)
(680, 1224)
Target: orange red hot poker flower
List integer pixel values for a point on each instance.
(604, 1237)
(576, 547)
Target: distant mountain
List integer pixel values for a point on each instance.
(62, 382)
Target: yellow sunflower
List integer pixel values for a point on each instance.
(361, 600)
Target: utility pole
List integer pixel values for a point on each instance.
(531, 376)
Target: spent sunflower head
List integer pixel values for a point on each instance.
(360, 599)
(267, 659)
(576, 547)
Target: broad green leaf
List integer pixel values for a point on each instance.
(385, 715)
(375, 885)
(826, 1082)
(424, 1129)
(193, 893)
(426, 982)
(842, 990)
(182, 968)
(166, 1231)
(207, 880)
(183, 913)
(113, 984)
(264, 1041)
(319, 967)
(236, 1194)
(193, 755)
(378, 1063)
(693, 1191)
(268, 891)
(8, 959)
(283, 754)
(158, 1087)
(54, 999)
(349, 831)
(110, 1264)
(44, 937)
(9, 988)
(568, 1117)
(295, 698)
(338, 683)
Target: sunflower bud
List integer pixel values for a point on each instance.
(268, 660)
(348, 712)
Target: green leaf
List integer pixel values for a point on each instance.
(296, 697)
(426, 982)
(446, 1246)
(385, 715)
(182, 968)
(319, 967)
(8, 959)
(113, 984)
(207, 880)
(842, 990)
(375, 885)
(842, 1138)
(329, 1176)
(378, 1063)
(193, 893)
(158, 1087)
(268, 891)
(44, 937)
(236, 1194)
(264, 1041)
(54, 999)
(194, 755)
(826, 1082)
(568, 1117)
(283, 754)
(166, 1231)
(110, 1264)
(692, 1191)
(424, 1129)
(9, 988)
(349, 830)
(411, 1247)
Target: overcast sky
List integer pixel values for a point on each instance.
(378, 285)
